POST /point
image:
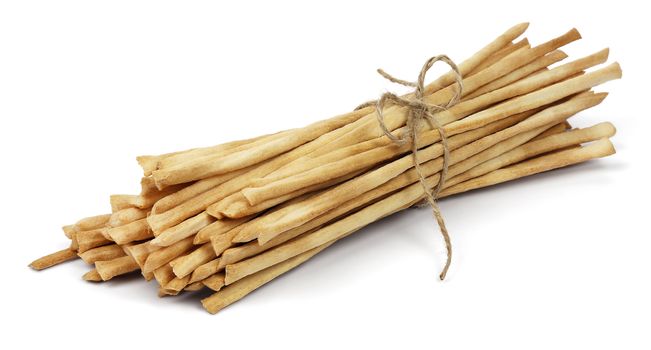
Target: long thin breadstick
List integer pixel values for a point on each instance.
(535, 148)
(53, 259)
(597, 149)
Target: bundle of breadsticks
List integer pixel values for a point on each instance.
(232, 217)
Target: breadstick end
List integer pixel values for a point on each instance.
(519, 28)
(574, 34)
(92, 276)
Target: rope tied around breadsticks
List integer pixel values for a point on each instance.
(418, 110)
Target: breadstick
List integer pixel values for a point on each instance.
(597, 149)
(183, 230)
(135, 231)
(106, 252)
(53, 259)
(115, 267)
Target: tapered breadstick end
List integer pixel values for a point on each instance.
(53, 259)
(602, 55)
(574, 33)
(92, 276)
(519, 29)
(607, 129)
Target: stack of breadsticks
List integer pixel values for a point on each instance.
(234, 216)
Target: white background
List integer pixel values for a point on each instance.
(558, 260)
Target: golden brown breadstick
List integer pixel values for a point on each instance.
(135, 231)
(53, 259)
(183, 230)
(106, 252)
(115, 267)
(597, 149)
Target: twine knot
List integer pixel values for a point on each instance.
(419, 110)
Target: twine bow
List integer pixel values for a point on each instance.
(418, 111)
